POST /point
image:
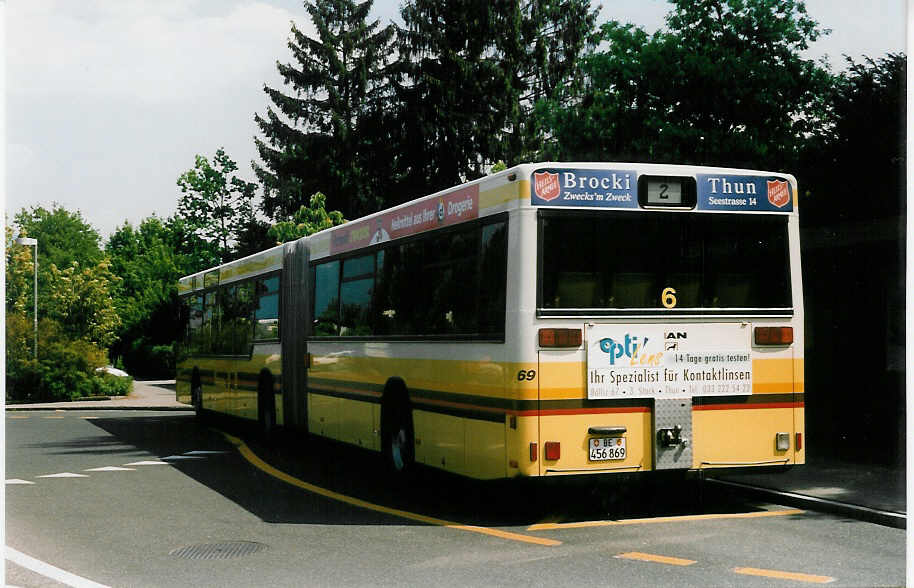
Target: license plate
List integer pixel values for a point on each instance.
(607, 448)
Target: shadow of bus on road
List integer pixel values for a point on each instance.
(363, 475)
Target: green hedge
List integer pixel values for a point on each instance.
(65, 368)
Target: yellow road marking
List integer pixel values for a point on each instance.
(785, 575)
(677, 519)
(664, 559)
(280, 475)
(54, 417)
(18, 416)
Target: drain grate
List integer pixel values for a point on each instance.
(225, 550)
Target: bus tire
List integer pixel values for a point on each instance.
(266, 402)
(196, 393)
(397, 434)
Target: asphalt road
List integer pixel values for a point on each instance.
(157, 499)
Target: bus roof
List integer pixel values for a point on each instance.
(233, 271)
(594, 185)
(566, 184)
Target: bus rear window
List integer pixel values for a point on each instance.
(664, 260)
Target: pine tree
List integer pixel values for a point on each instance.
(449, 92)
(471, 72)
(315, 137)
(548, 41)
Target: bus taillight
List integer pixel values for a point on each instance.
(553, 450)
(560, 337)
(773, 335)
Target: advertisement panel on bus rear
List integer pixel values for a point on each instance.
(604, 188)
(733, 193)
(669, 361)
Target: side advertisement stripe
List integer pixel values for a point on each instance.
(495, 409)
(749, 406)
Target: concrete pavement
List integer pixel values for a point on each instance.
(871, 492)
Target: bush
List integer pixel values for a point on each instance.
(65, 368)
(146, 360)
(111, 385)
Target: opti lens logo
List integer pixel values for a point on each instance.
(629, 348)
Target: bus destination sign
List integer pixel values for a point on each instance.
(668, 361)
(603, 188)
(611, 188)
(727, 192)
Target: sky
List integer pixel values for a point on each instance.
(108, 101)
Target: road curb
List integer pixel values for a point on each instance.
(855, 511)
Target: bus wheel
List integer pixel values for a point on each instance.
(196, 393)
(266, 403)
(397, 428)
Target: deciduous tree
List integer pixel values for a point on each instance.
(725, 84)
(216, 203)
(307, 220)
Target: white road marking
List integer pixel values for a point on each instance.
(202, 452)
(18, 481)
(147, 462)
(64, 475)
(111, 469)
(177, 457)
(49, 571)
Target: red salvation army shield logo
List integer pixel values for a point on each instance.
(546, 185)
(778, 193)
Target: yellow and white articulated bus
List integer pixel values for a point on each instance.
(550, 319)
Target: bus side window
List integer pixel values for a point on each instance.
(243, 319)
(266, 314)
(194, 322)
(222, 331)
(206, 332)
(355, 295)
(452, 275)
(493, 279)
(326, 299)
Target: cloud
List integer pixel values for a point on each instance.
(109, 101)
(146, 51)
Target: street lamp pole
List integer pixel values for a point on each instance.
(27, 241)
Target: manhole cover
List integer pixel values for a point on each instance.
(226, 550)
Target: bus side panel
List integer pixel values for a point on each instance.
(443, 392)
(799, 411)
(323, 415)
(357, 423)
(244, 402)
(485, 449)
(182, 382)
(442, 440)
